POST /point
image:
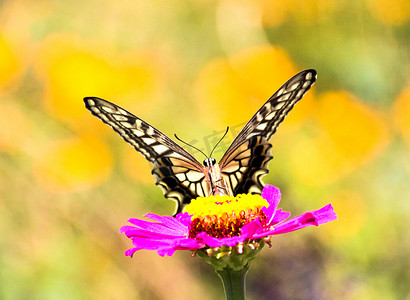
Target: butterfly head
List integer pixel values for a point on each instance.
(209, 162)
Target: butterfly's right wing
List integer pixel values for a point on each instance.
(246, 160)
(176, 172)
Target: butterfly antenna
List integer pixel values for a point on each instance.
(189, 145)
(226, 132)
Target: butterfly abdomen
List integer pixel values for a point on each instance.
(216, 184)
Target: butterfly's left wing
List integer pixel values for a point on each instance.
(246, 160)
(176, 172)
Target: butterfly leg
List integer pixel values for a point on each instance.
(219, 189)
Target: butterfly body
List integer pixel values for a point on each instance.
(216, 184)
(240, 170)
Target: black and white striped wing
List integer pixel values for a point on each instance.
(246, 160)
(179, 175)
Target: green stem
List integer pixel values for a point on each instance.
(231, 265)
(233, 282)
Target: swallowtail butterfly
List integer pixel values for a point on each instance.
(180, 175)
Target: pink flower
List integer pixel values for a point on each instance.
(183, 232)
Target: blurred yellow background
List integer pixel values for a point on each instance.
(192, 67)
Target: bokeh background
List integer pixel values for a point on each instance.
(192, 67)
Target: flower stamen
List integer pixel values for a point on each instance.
(224, 216)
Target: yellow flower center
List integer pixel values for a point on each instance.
(223, 216)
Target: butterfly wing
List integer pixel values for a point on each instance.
(246, 160)
(176, 172)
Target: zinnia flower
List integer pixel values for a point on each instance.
(221, 225)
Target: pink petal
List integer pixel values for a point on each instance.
(218, 242)
(252, 228)
(164, 246)
(130, 252)
(316, 218)
(165, 226)
(272, 195)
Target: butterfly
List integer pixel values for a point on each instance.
(240, 170)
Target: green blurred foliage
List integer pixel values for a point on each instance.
(67, 183)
